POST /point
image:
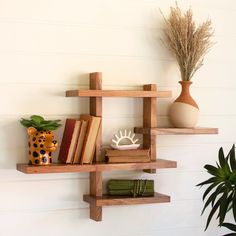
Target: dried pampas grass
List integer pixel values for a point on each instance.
(188, 43)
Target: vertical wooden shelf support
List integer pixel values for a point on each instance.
(96, 177)
(150, 121)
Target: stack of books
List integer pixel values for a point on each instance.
(79, 140)
(126, 156)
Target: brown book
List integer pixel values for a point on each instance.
(90, 138)
(80, 142)
(69, 140)
(133, 152)
(127, 159)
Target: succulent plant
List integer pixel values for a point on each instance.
(222, 190)
(39, 123)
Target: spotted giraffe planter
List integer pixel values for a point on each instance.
(41, 145)
(184, 112)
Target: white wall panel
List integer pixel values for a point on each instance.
(47, 47)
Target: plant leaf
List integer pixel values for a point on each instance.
(211, 169)
(232, 158)
(219, 190)
(229, 226)
(50, 121)
(230, 234)
(234, 208)
(212, 197)
(40, 123)
(211, 180)
(36, 118)
(25, 123)
(221, 157)
(50, 128)
(224, 206)
(213, 210)
(209, 189)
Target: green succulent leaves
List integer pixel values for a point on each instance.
(39, 123)
(221, 192)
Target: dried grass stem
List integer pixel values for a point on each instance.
(188, 43)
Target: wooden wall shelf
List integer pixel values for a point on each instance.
(96, 199)
(118, 93)
(175, 131)
(100, 167)
(107, 200)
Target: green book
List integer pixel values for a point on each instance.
(128, 187)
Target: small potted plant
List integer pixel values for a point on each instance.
(40, 139)
(188, 44)
(220, 194)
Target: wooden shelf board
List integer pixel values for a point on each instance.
(54, 168)
(62, 168)
(107, 200)
(175, 131)
(117, 93)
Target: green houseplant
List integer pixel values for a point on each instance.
(188, 43)
(39, 123)
(220, 194)
(41, 141)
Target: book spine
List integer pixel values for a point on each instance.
(138, 152)
(135, 188)
(127, 159)
(66, 140)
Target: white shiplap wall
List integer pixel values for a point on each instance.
(49, 46)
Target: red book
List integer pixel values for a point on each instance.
(66, 143)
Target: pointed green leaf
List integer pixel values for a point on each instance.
(221, 157)
(227, 168)
(232, 159)
(213, 210)
(230, 234)
(211, 169)
(209, 189)
(219, 191)
(234, 208)
(212, 198)
(209, 181)
(230, 226)
(224, 206)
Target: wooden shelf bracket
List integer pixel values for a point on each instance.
(150, 120)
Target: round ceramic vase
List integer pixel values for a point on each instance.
(184, 112)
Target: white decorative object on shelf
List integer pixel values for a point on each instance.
(124, 140)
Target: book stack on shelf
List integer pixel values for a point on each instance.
(127, 156)
(78, 141)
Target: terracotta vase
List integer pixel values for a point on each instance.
(184, 112)
(41, 145)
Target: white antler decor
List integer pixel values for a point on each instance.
(118, 141)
